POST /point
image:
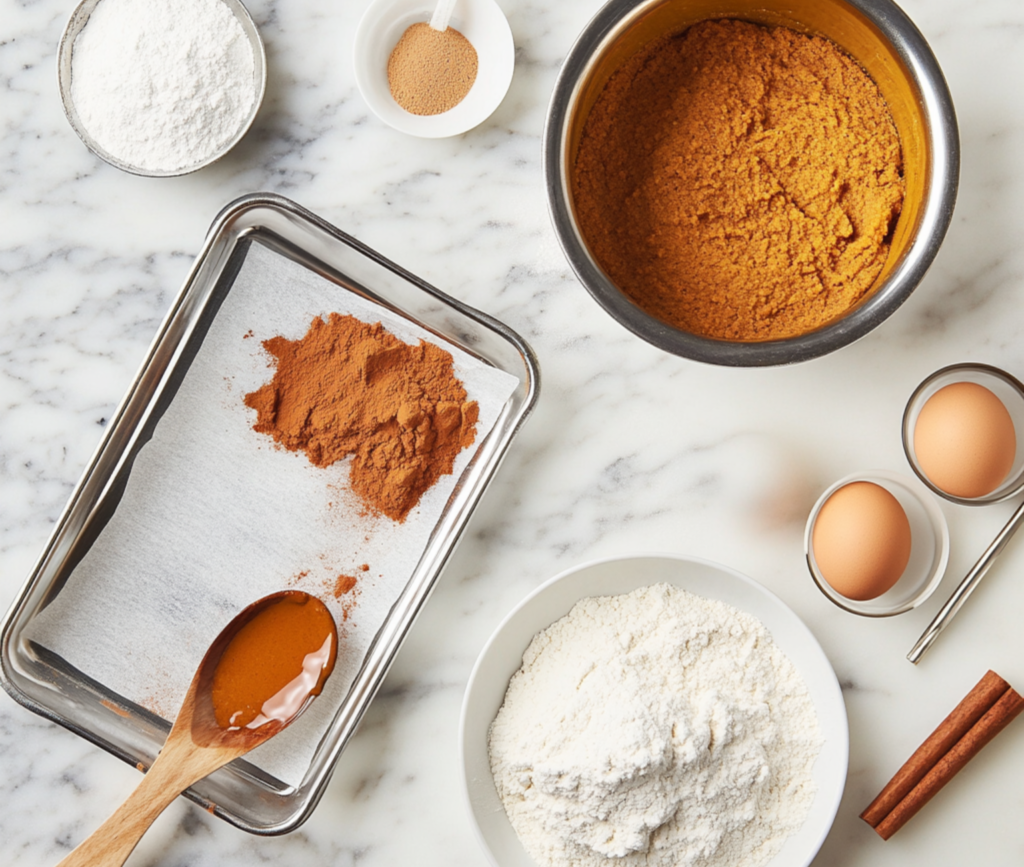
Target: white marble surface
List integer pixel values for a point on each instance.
(630, 449)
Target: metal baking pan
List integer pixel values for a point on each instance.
(47, 684)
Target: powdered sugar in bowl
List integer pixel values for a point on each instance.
(561, 776)
(159, 89)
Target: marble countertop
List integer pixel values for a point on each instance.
(630, 449)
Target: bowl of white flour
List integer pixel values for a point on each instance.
(657, 711)
(161, 89)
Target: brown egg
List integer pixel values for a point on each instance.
(861, 540)
(964, 440)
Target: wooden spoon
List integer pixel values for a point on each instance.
(198, 745)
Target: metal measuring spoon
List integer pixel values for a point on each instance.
(966, 587)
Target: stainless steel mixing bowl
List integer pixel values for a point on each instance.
(877, 34)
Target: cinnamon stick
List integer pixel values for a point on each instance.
(974, 705)
(992, 720)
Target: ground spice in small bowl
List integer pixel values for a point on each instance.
(431, 71)
(740, 182)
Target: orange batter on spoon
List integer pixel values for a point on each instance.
(275, 663)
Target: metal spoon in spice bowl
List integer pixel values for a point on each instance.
(259, 674)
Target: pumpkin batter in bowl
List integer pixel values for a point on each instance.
(755, 178)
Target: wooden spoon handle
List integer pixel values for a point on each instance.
(112, 843)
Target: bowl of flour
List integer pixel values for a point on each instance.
(658, 711)
(161, 89)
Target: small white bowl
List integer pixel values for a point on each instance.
(503, 655)
(481, 21)
(929, 547)
(65, 50)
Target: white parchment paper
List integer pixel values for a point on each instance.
(215, 516)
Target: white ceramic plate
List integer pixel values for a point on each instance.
(503, 655)
(481, 21)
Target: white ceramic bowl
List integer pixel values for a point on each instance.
(481, 21)
(503, 655)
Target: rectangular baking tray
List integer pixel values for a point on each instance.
(45, 683)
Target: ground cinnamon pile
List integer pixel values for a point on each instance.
(352, 389)
(431, 71)
(740, 182)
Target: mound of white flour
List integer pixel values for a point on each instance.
(656, 728)
(160, 85)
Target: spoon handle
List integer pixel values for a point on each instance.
(442, 14)
(966, 587)
(112, 843)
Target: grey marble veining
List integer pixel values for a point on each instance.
(630, 449)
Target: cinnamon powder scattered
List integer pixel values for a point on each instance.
(352, 389)
(431, 71)
(740, 182)
(297, 577)
(346, 589)
(343, 584)
(109, 705)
